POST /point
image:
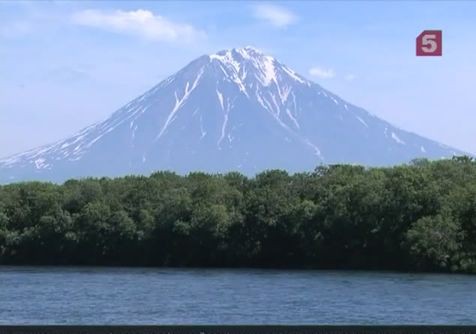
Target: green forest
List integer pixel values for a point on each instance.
(415, 217)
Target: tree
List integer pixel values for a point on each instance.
(434, 242)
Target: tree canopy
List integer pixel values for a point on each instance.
(420, 216)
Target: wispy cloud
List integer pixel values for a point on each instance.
(142, 23)
(15, 29)
(350, 77)
(322, 73)
(275, 15)
(67, 74)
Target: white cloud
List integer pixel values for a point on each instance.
(275, 15)
(322, 73)
(350, 77)
(142, 23)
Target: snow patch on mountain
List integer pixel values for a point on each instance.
(397, 139)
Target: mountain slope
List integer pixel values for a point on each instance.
(235, 110)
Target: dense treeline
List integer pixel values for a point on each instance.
(420, 216)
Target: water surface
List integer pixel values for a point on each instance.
(75, 295)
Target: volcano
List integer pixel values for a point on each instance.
(236, 110)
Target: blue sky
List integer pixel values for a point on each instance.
(66, 64)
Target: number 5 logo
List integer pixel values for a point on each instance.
(429, 43)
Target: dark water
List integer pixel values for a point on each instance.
(32, 295)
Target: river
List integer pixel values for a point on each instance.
(84, 295)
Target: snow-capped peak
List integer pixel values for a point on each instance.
(246, 52)
(249, 62)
